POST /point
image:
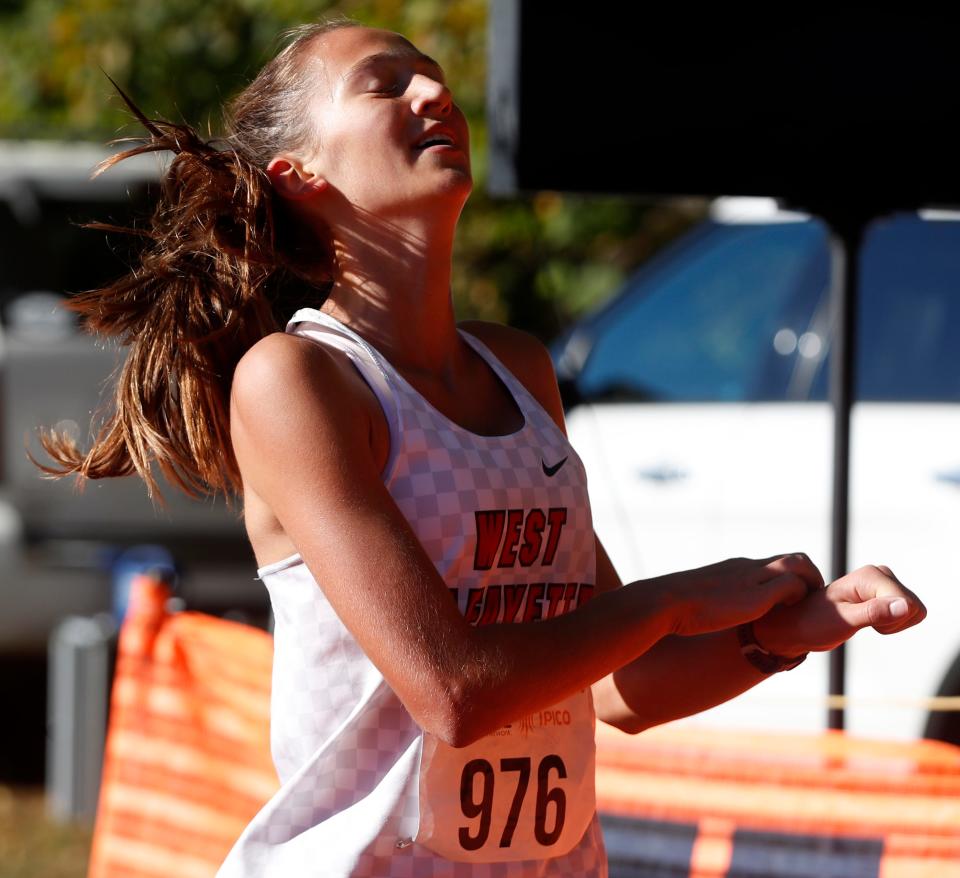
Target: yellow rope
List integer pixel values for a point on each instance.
(939, 703)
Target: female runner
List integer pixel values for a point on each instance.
(408, 490)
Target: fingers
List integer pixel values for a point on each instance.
(737, 590)
(868, 597)
(786, 589)
(914, 613)
(798, 564)
(874, 596)
(883, 614)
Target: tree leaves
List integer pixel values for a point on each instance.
(535, 262)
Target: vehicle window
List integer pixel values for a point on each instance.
(908, 348)
(728, 323)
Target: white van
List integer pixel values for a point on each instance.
(698, 403)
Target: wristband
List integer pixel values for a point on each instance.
(762, 659)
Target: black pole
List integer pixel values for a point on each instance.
(847, 233)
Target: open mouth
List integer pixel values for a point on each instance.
(442, 140)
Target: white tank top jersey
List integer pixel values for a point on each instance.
(364, 790)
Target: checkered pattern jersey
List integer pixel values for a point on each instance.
(346, 750)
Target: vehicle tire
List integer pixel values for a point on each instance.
(944, 725)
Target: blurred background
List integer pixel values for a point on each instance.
(692, 339)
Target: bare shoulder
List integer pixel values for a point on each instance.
(526, 357)
(287, 386)
(282, 368)
(274, 360)
(280, 372)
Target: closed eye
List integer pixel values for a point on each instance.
(389, 73)
(386, 88)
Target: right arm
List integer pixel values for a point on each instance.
(302, 448)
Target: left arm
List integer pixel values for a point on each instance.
(680, 676)
(683, 675)
(677, 677)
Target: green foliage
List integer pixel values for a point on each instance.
(535, 262)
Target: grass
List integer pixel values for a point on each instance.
(34, 846)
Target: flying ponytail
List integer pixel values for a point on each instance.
(223, 264)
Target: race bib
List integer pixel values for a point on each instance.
(524, 792)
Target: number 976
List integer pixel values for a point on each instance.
(477, 783)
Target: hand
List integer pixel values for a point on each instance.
(723, 595)
(871, 596)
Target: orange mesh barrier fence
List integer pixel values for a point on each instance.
(187, 761)
(188, 764)
(722, 804)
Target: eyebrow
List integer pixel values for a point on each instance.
(390, 55)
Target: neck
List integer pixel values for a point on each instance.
(392, 286)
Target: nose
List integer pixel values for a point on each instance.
(430, 96)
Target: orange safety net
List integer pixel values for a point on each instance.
(187, 760)
(759, 804)
(188, 764)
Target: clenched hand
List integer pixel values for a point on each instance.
(869, 597)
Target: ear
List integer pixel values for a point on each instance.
(291, 180)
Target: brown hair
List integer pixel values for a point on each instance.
(222, 266)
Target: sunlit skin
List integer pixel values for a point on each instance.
(311, 442)
(390, 209)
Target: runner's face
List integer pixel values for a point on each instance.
(389, 136)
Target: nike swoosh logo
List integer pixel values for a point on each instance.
(551, 470)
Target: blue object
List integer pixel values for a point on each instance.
(134, 561)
